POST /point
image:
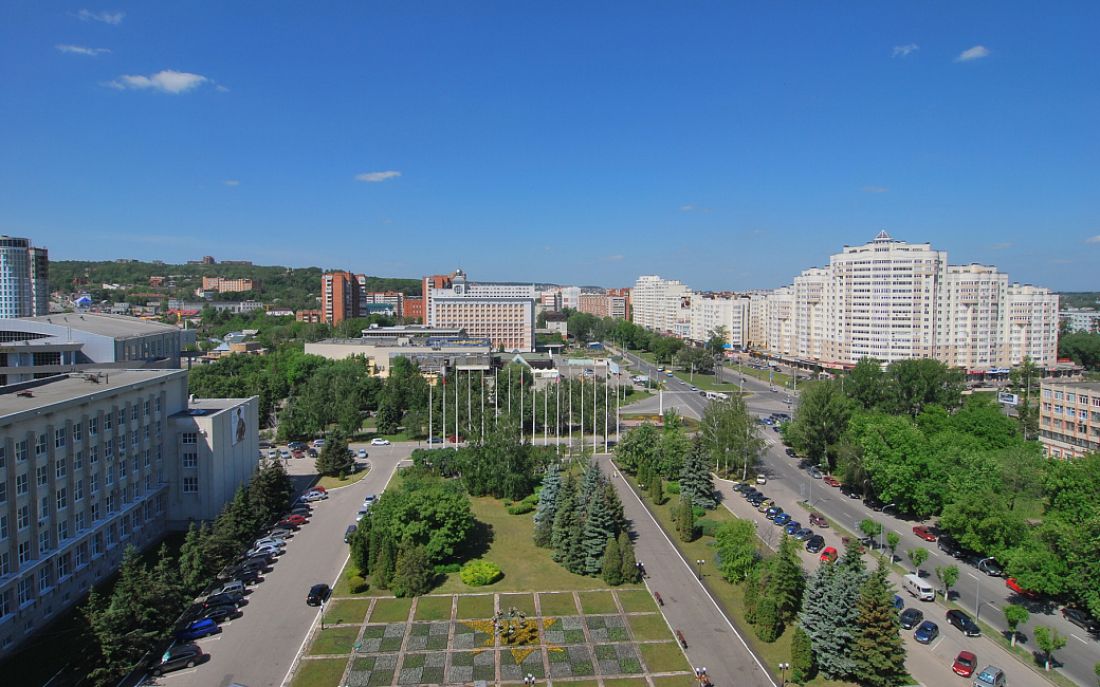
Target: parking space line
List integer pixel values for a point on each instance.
(938, 642)
(1077, 638)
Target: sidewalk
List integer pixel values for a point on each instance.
(712, 640)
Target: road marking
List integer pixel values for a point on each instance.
(699, 582)
(1077, 638)
(938, 642)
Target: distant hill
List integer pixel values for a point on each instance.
(289, 287)
(1079, 299)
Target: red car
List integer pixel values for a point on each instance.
(964, 664)
(818, 521)
(828, 555)
(1012, 584)
(922, 532)
(831, 481)
(292, 521)
(318, 487)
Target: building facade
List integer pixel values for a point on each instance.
(223, 285)
(662, 305)
(24, 278)
(339, 297)
(502, 312)
(1069, 418)
(39, 264)
(1080, 320)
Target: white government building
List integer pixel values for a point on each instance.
(886, 299)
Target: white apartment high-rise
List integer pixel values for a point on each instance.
(711, 311)
(663, 305)
(24, 278)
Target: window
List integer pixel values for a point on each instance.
(43, 542)
(109, 449)
(62, 499)
(42, 475)
(134, 410)
(78, 490)
(190, 485)
(3, 457)
(81, 521)
(78, 432)
(24, 552)
(21, 484)
(62, 531)
(121, 469)
(3, 527)
(190, 460)
(44, 578)
(156, 404)
(78, 460)
(111, 506)
(111, 535)
(95, 512)
(3, 492)
(93, 426)
(81, 554)
(43, 509)
(148, 457)
(95, 484)
(189, 438)
(60, 468)
(97, 544)
(5, 569)
(26, 593)
(121, 444)
(20, 451)
(110, 474)
(146, 407)
(121, 417)
(40, 445)
(23, 517)
(65, 565)
(59, 438)
(107, 421)
(93, 455)
(134, 437)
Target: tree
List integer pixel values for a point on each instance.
(735, 549)
(612, 564)
(192, 565)
(630, 571)
(359, 546)
(869, 527)
(918, 382)
(385, 565)
(414, 572)
(767, 618)
(685, 519)
(335, 458)
(947, 576)
(563, 519)
(695, 479)
(1015, 615)
(717, 339)
(820, 421)
(865, 383)
(892, 541)
(547, 506)
(599, 526)
(802, 656)
(784, 580)
(638, 447)
(829, 615)
(1048, 640)
(879, 652)
(917, 557)
(656, 488)
(729, 436)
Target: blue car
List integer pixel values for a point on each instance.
(793, 527)
(782, 519)
(927, 632)
(197, 630)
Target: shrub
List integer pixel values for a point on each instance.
(707, 527)
(521, 508)
(480, 573)
(357, 584)
(672, 487)
(447, 568)
(698, 511)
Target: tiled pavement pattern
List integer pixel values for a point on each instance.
(573, 645)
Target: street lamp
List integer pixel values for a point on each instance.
(700, 562)
(783, 668)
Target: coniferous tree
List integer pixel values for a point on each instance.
(879, 653)
(563, 519)
(385, 566)
(802, 656)
(375, 537)
(831, 619)
(192, 564)
(784, 580)
(614, 507)
(359, 548)
(695, 479)
(598, 526)
(751, 594)
(816, 618)
(414, 573)
(657, 489)
(612, 563)
(590, 485)
(630, 563)
(335, 458)
(685, 518)
(574, 560)
(547, 506)
(767, 618)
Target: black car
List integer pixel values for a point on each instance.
(222, 599)
(311, 452)
(991, 567)
(257, 564)
(910, 618)
(790, 452)
(221, 612)
(963, 622)
(248, 576)
(948, 545)
(317, 594)
(740, 487)
(1081, 619)
(815, 543)
(178, 656)
(874, 504)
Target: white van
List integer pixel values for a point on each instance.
(918, 588)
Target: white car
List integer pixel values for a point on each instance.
(318, 443)
(313, 496)
(361, 514)
(272, 454)
(284, 454)
(369, 500)
(379, 441)
(362, 453)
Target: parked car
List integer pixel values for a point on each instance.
(302, 509)
(361, 513)
(248, 576)
(274, 541)
(318, 443)
(272, 454)
(1012, 584)
(829, 555)
(280, 532)
(948, 545)
(739, 487)
(818, 521)
(293, 520)
(435, 440)
(791, 453)
(1081, 619)
(964, 664)
(317, 594)
(379, 441)
(910, 618)
(792, 528)
(296, 445)
(963, 622)
(927, 632)
(221, 612)
(831, 481)
(923, 532)
(226, 598)
(284, 454)
(265, 550)
(197, 629)
(350, 530)
(772, 511)
(804, 534)
(764, 505)
(311, 496)
(782, 519)
(311, 452)
(361, 453)
(232, 587)
(178, 656)
(761, 479)
(816, 474)
(990, 676)
(257, 564)
(369, 499)
(991, 567)
(874, 504)
(815, 543)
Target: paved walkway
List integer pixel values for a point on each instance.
(712, 640)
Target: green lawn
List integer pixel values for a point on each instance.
(637, 600)
(334, 482)
(597, 603)
(649, 627)
(663, 657)
(625, 682)
(334, 640)
(346, 611)
(391, 611)
(434, 608)
(557, 604)
(676, 681)
(476, 607)
(324, 672)
(779, 379)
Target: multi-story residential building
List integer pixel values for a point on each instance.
(310, 316)
(24, 278)
(618, 303)
(35, 347)
(1080, 320)
(711, 312)
(663, 305)
(339, 296)
(502, 312)
(614, 303)
(93, 462)
(1069, 418)
(394, 299)
(223, 285)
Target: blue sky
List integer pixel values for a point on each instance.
(729, 145)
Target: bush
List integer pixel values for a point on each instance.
(357, 584)
(699, 511)
(672, 487)
(707, 527)
(480, 573)
(521, 508)
(448, 568)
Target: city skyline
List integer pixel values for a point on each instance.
(555, 145)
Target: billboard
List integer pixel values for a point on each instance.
(1008, 399)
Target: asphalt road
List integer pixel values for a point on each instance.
(258, 648)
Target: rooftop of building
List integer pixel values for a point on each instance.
(1084, 386)
(115, 326)
(410, 342)
(413, 329)
(209, 406)
(43, 393)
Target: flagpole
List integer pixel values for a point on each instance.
(557, 416)
(582, 411)
(545, 416)
(430, 415)
(595, 429)
(457, 409)
(569, 419)
(606, 382)
(496, 397)
(521, 418)
(444, 390)
(483, 405)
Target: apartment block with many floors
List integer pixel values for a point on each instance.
(662, 305)
(502, 312)
(1069, 418)
(91, 463)
(24, 278)
(339, 297)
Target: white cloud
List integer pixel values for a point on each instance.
(81, 50)
(905, 50)
(1093, 239)
(221, 89)
(232, 182)
(166, 81)
(375, 177)
(975, 53)
(112, 18)
(875, 189)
